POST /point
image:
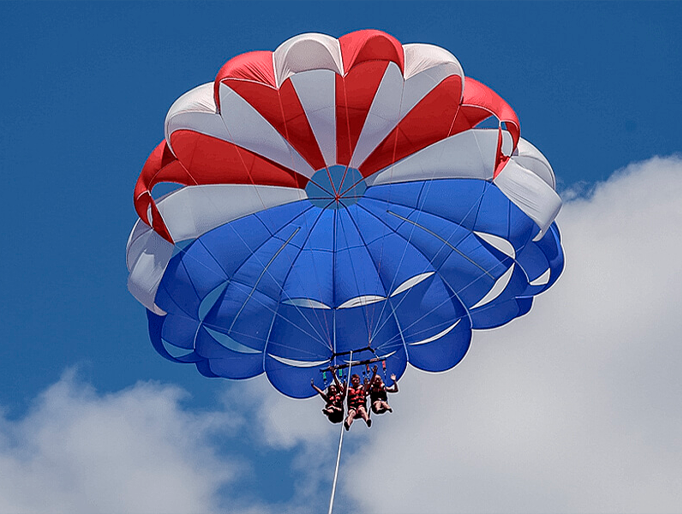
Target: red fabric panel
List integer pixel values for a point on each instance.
(429, 121)
(209, 160)
(468, 117)
(370, 45)
(354, 95)
(283, 110)
(500, 159)
(161, 162)
(251, 66)
(478, 94)
(204, 160)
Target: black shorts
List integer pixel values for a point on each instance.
(335, 417)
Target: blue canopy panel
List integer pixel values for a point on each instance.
(408, 269)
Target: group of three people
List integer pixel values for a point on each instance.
(357, 398)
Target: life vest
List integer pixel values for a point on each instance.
(335, 399)
(356, 397)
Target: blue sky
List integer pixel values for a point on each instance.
(84, 91)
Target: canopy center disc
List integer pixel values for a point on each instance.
(335, 187)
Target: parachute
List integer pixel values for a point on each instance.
(337, 198)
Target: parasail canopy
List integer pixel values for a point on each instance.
(339, 195)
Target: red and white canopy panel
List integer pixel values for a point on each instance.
(395, 112)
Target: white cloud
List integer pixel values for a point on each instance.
(574, 408)
(136, 450)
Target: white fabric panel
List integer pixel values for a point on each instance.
(532, 159)
(411, 282)
(396, 97)
(530, 193)
(238, 123)
(306, 52)
(200, 100)
(497, 289)
(421, 57)
(542, 279)
(316, 90)
(469, 154)
(230, 343)
(308, 303)
(437, 336)
(507, 143)
(248, 129)
(361, 300)
(498, 242)
(188, 213)
(384, 114)
(147, 256)
(297, 364)
(210, 124)
(194, 210)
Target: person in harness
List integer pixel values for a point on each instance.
(377, 393)
(333, 398)
(357, 401)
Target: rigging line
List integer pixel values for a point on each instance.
(333, 193)
(400, 333)
(470, 231)
(261, 276)
(424, 190)
(184, 251)
(391, 167)
(428, 260)
(355, 277)
(288, 297)
(393, 340)
(423, 210)
(376, 267)
(334, 276)
(220, 329)
(338, 454)
(456, 293)
(253, 254)
(400, 118)
(305, 219)
(317, 275)
(408, 242)
(426, 186)
(308, 352)
(291, 147)
(446, 242)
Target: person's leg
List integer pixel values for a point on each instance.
(385, 406)
(363, 414)
(350, 418)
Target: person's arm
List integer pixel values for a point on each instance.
(340, 386)
(394, 387)
(319, 391)
(371, 380)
